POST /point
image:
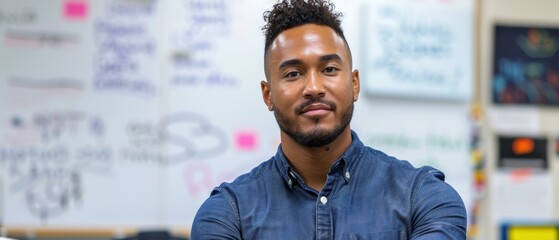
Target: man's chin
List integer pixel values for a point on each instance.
(316, 137)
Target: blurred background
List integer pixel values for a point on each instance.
(118, 117)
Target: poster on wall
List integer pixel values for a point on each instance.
(526, 66)
(522, 152)
(522, 187)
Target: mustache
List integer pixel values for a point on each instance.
(309, 102)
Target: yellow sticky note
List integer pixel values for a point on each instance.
(533, 233)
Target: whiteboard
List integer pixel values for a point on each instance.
(418, 49)
(137, 109)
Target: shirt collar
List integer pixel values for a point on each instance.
(347, 160)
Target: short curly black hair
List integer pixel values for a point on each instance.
(292, 13)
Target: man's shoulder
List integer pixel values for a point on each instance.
(391, 165)
(254, 176)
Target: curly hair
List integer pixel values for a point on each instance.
(292, 13)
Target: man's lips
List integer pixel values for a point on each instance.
(316, 109)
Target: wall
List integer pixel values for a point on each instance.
(532, 121)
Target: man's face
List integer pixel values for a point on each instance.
(310, 86)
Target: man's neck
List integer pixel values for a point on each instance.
(313, 163)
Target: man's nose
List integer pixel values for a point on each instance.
(314, 87)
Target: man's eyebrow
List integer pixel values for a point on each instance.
(324, 58)
(330, 57)
(290, 62)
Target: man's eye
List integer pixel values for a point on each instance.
(330, 69)
(292, 74)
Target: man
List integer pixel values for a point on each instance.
(323, 183)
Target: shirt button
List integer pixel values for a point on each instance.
(290, 182)
(323, 200)
(292, 174)
(347, 175)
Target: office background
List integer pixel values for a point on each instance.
(118, 116)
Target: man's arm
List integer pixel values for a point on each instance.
(216, 219)
(438, 211)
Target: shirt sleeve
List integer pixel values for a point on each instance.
(437, 209)
(216, 219)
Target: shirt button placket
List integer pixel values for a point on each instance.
(323, 219)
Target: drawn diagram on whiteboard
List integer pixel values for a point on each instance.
(199, 139)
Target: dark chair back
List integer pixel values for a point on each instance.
(152, 235)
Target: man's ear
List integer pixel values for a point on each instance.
(266, 95)
(356, 84)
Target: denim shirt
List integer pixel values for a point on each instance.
(367, 195)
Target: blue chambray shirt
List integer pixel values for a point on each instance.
(367, 195)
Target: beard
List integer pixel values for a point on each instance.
(317, 137)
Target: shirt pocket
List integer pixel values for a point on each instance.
(376, 235)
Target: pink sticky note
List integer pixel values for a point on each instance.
(246, 140)
(75, 9)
